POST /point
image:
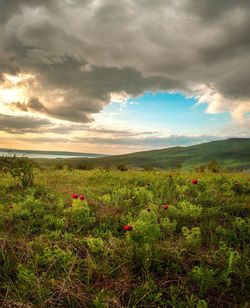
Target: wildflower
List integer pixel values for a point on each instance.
(165, 206)
(127, 228)
(74, 196)
(194, 181)
(81, 197)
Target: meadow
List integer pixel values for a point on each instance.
(109, 238)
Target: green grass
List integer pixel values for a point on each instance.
(232, 153)
(60, 252)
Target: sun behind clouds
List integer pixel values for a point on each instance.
(15, 88)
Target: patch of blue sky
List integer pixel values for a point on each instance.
(173, 111)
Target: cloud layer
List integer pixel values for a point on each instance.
(81, 53)
(21, 125)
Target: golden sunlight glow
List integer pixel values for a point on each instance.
(119, 97)
(15, 87)
(11, 95)
(16, 79)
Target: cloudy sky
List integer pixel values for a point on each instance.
(108, 76)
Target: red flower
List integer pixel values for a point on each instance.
(165, 206)
(127, 228)
(81, 197)
(74, 196)
(194, 181)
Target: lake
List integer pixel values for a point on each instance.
(49, 155)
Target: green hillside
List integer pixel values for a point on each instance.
(232, 153)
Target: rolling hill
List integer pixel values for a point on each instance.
(232, 153)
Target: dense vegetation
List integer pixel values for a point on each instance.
(232, 154)
(132, 239)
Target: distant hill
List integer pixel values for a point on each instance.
(232, 153)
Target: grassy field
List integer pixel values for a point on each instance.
(186, 245)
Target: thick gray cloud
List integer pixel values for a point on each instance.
(65, 113)
(33, 105)
(211, 10)
(86, 50)
(88, 92)
(21, 124)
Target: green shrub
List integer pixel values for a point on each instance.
(186, 209)
(144, 235)
(168, 227)
(80, 215)
(122, 167)
(96, 245)
(192, 236)
(56, 260)
(26, 281)
(19, 168)
(242, 229)
(204, 277)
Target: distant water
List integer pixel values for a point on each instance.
(50, 156)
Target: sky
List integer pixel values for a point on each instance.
(113, 77)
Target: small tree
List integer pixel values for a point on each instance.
(214, 166)
(177, 164)
(148, 168)
(20, 168)
(200, 168)
(122, 167)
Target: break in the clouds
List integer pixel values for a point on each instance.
(67, 59)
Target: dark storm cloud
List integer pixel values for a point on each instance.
(87, 50)
(21, 125)
(211, 10)
(33, 105)
(87, 92)
(62, 112)
(9, 8)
